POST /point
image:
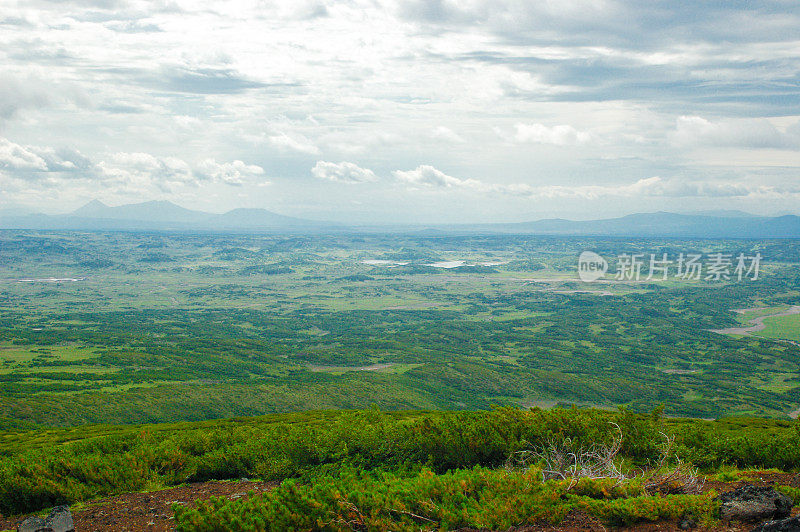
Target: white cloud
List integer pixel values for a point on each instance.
(695, 131)
(296, 143)
(17, 94)
(24, 162)
(144, 168)
(16, 157)
(31, 160)
(561, 135)
(426, 175)
(233, 173)
(571, 90)
(343, 172)
(654, 187)
(447, 134)
(167, 171)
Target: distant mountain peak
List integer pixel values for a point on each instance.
(163, 203)
(91, 207)
(724, 213)
(164, 214)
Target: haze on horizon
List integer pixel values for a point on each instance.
(376, 111)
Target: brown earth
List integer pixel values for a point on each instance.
(152, 512)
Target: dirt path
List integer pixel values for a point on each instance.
(757, 324)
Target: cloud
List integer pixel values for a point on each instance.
(343, 172)
(297, 9)
(753, 133)
(562, 135)
(144, 167)
(99, 4)
(447, 134)
(653, 187)
(428, 176)
(17, 94)
(167, 171)
(39, 51)
(296, 143)
(33, 162)
(134, 26)
(562, 96)
(30, 161)
(233, 173)
(16, 157)
(197, 80)
(606, 22)
(509, 17)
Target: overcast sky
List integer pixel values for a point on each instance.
(374, 110)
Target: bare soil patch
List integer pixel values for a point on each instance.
(151, 512)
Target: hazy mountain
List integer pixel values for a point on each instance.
(259, 218)
(166, 216)
(724, 213)
(152, 211)
(668, 224)
(157, 216)
(91, 209)
(15, 210)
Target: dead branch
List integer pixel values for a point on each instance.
(564, 460)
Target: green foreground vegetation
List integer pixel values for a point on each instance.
(478, 497)
(405, 469)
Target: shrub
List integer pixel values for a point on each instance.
(477, 497)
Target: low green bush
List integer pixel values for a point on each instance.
(477, 497)
(41, 469)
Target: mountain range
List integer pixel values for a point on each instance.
(157, 216)
(666, 224)
(167, 216)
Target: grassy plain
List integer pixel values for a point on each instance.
(786, 327)
(152, 327)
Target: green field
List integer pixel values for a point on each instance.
(786, 327)
(154, 327)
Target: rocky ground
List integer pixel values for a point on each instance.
(152, 512)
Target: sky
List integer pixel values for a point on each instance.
(415, 111)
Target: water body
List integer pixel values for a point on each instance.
(377, 262)
(54, 280)
(447, 264)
